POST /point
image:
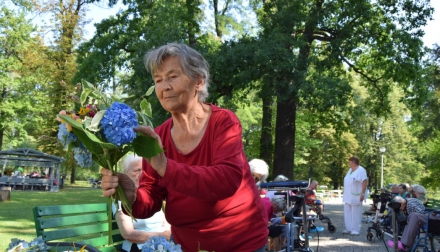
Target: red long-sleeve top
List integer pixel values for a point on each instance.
(212, 202)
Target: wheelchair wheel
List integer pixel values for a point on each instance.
(331, 228)
(379, 235)
(370, 236)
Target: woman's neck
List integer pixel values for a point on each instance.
(192, 120)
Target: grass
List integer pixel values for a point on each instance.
(16, 217)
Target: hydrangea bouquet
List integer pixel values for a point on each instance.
(102, 131)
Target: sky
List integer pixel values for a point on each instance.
(100, 11)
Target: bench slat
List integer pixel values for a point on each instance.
(57, 234)
(84, 223)
(71, 209)
(72, 220)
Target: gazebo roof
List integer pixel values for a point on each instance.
(28, 157)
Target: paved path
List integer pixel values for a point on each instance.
(336, 241)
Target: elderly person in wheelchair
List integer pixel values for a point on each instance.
(311, 200)
(274, 207)
(414, 209)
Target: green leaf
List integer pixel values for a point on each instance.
(87, 122)
(94, 125)
(92, 142)
(145, 120)
(87, 85)
(84, 94)
(146, 146)
(146, 108)
(150, 91)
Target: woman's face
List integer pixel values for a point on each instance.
(175, 90)
(401, 190)
(257, 176)
(135, 171)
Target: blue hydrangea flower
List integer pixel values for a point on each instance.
(66, 137)
(117, 124)
(37, 245)
(152, 245)
(82, 156)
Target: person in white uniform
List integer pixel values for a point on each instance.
(355, 185)
(136, 233)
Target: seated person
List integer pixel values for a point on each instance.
(419, 192)
(409, 206)
(136, 233)
(394, 190)
(403, 191)
(311, 200)
(260, 171)
(415, 222)
(275, 205)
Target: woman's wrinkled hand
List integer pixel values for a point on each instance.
(167, 234)
(158, 162)
(109, 182)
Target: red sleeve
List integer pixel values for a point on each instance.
(222, 172)
(149, 195)
(269, 208)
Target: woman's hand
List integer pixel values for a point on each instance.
(110, 182)
(167, 234)
(158, 162)
(403, 205)
(362, 197)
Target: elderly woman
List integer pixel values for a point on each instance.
(212, 201)
(414, 209)
(419, 192)
(137, 232)
(355, 185)
(259, 170)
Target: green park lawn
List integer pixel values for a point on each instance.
(16, 218)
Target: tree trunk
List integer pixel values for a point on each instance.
(1, 138)
(216, 20)
(2, 131)
(266, 141)
(285, 137)
(72, 174)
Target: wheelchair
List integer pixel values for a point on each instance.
(432, 230)
(293, 218)
(317, 207)
(379, 221)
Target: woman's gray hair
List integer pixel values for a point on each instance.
(260, 167)
(279, 202)
(192, 62)
(419, 189)
(131, 158)
(399, 199)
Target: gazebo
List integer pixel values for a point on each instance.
(26, 157)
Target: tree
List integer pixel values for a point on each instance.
(379, 40)
(22, 79)
(426, 123)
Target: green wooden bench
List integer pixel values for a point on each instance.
(433, 204)
(83, 223)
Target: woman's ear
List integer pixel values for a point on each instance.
(200, 83)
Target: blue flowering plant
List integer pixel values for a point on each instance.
(160, 244)
(102, 132)
(36, 245)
